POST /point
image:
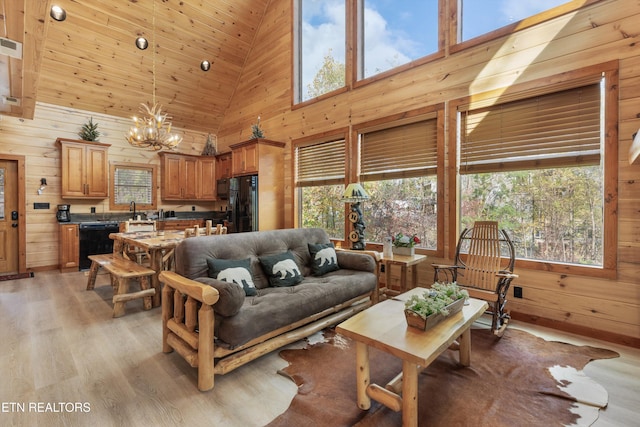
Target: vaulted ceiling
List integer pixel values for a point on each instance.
(90, 60)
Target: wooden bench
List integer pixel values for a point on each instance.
(121, 271)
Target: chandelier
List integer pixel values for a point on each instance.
(153, 128)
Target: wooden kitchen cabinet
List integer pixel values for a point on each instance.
(224, 165)
(251, 156)
(69, 255)
(245, 158)
(206, 178)
(186, 177)
(85, 169)
(264, 158)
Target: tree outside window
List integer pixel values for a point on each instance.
(406, 205)
(320, 47)
(321, 207)
(550, 214)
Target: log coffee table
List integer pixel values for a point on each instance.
(384, 327)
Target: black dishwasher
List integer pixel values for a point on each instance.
(94, 240)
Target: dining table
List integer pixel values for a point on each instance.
(158, 247)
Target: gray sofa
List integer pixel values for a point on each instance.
(296, 285)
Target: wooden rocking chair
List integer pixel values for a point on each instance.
(484, 263)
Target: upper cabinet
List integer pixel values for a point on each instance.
(85, 169)
(206, 178)
(264, 158)
(186, 177)
(223, 165)
(251, 157)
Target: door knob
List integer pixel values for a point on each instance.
(14, 225)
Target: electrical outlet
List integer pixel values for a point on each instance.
(517, 292)
(193, 208)
(93, 209)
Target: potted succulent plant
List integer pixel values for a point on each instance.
(404, 245)
(434, 305)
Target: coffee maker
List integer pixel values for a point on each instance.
(64, 213)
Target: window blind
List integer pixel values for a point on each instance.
(553, 130)
(133, 185)
(404, 151)
(321, 164)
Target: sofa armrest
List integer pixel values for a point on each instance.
(188, 323)
(201, 292)
(358, 260)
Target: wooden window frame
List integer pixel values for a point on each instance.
(436, 111)
(448, 42)
(610, 146)
(333, 135)
(455, 12)
(138, 166)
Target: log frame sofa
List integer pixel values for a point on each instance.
(192, 327)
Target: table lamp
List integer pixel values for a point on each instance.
(354, 194)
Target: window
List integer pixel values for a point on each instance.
(320, 47)
(396, 32)
(483, 16)
(385, 36)
(132, 182)
(399, 171)
(541, 167)
(320, 169)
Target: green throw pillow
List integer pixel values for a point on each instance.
(323, 258)
(234, 271)
(281, 269)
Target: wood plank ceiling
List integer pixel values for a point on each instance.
(90, 61)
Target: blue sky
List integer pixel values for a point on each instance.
(399, 31)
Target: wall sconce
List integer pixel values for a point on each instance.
(43, 185)
(354, 194)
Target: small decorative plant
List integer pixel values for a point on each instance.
(209, 147)
(256, 132)
(402, 241)
(89, 131)
(436, 299)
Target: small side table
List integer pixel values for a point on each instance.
(407, 265)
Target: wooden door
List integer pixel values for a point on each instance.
(69, 247)
(171, 182)
(251, 158)
(9, 217)
(97, 172)
(207, 178)
(223, 166)
(73, 178)
(190, 179)
(237, 161)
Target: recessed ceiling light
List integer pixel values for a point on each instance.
(142, 43)
(205, 65)
(58, 13)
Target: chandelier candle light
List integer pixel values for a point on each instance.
(153, 129)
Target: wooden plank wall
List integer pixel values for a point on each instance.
(599, 33)
(35, 139)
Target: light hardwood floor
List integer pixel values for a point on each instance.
(66, 361)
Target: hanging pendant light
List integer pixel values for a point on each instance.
(153, 128)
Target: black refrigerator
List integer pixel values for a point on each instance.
(243, 202)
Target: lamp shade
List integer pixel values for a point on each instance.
(354, 193)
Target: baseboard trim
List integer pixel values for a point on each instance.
(577, 329)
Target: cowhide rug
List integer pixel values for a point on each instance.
(518, 380)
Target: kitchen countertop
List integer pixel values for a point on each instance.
(108, 217)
